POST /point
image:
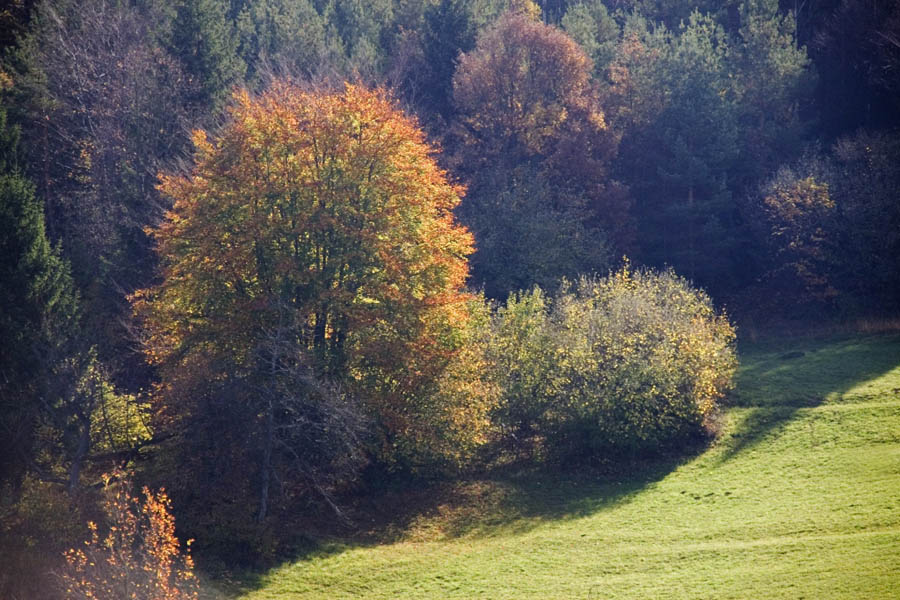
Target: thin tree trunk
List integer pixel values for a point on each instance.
(84, 445)
(266, 463)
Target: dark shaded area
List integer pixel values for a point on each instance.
(507, 501)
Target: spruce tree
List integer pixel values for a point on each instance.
(38, 309)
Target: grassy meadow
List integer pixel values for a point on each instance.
(798, 498)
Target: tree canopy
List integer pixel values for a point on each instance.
(314, 235)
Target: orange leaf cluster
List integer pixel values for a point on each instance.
(139, 558)
(325, 206)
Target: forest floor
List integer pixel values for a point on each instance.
(798, 498)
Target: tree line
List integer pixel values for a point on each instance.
(218, 255)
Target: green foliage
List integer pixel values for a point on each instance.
(522, 355)
(281, 35)
(797, 497)
(646, 359)
(632, 363)
(363, 28)
(205, 41)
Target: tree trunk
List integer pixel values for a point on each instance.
(266, 463)
(84, 445)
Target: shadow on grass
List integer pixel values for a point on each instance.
(509, 502)
(776, 381)
(514, 501)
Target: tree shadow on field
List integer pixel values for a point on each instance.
(774, 383)
(777, 380)
(502, 502)
(512, 501)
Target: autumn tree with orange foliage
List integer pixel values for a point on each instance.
(139, 558)
(311, 284)
(535, 147)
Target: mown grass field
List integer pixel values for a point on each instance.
(799, 498)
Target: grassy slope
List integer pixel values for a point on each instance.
(799, 499)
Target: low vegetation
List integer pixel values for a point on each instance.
(139, 555)
(797, 499)
(630, 364)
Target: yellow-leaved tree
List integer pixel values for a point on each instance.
(312, 284)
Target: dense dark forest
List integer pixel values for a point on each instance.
(526, 181)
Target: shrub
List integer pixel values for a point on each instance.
(521, 353)
(633, 363)
(139, 558)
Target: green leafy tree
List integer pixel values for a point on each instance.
(522, 352)
(672, 13)
(449, 31)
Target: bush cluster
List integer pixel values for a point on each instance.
(630, 364)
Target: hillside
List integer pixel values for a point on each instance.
(798, 499)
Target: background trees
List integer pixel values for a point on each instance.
(534, 146)
(39, 308)
(59, 414)
(705, 113)
(101, 105)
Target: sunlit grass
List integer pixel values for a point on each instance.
(800, 498)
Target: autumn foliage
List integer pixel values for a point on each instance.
(321, 219)
(632, 363)
(139, 558)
